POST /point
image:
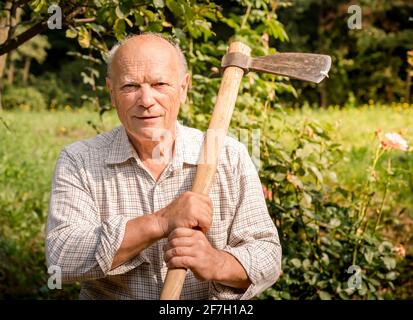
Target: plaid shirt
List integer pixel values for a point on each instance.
(99, 184)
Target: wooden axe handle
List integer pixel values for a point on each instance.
(207, 165)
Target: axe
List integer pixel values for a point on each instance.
(236, 63)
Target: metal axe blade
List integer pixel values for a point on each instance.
(303, 66)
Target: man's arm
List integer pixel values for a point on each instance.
(253, 238)
(231, 273)
(85, 247)
(77, 239)
(140, 233)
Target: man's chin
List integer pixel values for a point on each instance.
(151, 133)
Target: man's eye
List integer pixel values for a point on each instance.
(159, 84)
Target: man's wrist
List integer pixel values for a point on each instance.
(219, 274)
(229, 271)
(159, 224)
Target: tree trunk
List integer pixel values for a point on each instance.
(4, 31)
(26, 70)
(408, 84)
(10, 72)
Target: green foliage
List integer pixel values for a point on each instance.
(203, 30)
(316, 197)
(35, 48)
(326, 223)
(369, 62)
(325, 227)
(25, 98)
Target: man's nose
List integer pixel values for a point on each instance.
(147, 96)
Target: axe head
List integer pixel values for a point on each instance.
(303, 66)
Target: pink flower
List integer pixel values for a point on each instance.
(267, 193)
(400, 250)
(394, 141)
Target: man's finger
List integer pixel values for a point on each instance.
(181, 232)
(180, 262)
(178, 252)
(179, 242)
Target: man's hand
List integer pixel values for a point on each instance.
(190, 249)
(190, 210)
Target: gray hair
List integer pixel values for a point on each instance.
(181, 56)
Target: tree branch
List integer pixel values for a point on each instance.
(84, 20)
(12, 20)
(13, 43)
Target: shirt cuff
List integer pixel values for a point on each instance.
(111, 237)
(219, 291)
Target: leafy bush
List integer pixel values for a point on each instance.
(331, 245)
(25, 98)
(53, 89)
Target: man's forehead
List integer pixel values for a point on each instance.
(132, 66)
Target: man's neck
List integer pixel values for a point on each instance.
(155, 155)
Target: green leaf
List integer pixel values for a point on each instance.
(389, 262)
(155, 26)
(369, 255)
(306, 200)
(295, 181)
(71, 33)
(130, 24)
(158, 3)
(306, 263)
(334, 222)
(324, 295)
(316, 173)
(38, 5)
(83, 37)
(138, 18)
(175, 7)
(97, 27)
(121, 12)
(392, 275)
(325, 259)
(279, 177)
(295, 262)
(119, 29)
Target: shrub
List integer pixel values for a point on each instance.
(53, 89)
(25, 98)
(331, 245)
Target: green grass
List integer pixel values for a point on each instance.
(31, 141)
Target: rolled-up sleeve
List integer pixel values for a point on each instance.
(78, 241)
(253, 239)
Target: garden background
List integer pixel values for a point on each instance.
(339, 190)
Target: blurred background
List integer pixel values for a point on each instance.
(338, 186)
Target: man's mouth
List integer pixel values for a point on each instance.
(148, 117)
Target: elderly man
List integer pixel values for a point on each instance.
(121, 212)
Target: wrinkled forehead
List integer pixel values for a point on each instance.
(145, 61)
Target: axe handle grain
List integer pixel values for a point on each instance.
(208, 161)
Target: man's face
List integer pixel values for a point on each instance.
(147, 87)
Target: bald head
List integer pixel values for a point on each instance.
(140, 44)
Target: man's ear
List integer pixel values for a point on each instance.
(111, 93)
(184, 87)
